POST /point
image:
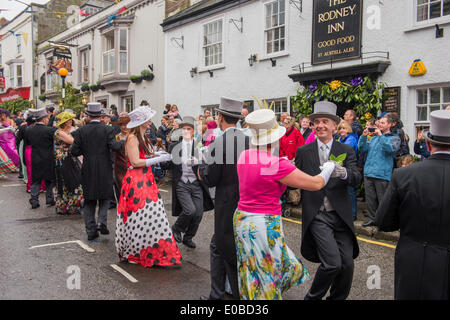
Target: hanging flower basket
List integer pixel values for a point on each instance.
(94, 87)
(136, 79)
(147, 75)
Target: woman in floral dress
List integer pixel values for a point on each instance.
(69, 192)
(143, 234)
(266, 266)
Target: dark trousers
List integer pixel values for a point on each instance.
(220, 270)
(190, 196)
(334, 243)
(35, 189)
(89, 214)
(374, 189)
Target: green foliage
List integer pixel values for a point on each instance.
(72, 99)
(365, 96)
(145, 73)
(15, 106)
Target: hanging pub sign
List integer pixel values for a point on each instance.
(336, 30)
(62, 58)
(392, 100)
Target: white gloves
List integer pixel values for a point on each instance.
(327, 169)
(161, 157)
(192, 161)
(339, 171)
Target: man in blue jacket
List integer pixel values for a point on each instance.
(379, 164)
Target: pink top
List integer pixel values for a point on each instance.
(259, 173)
(311, 137)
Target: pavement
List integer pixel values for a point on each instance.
(46, 256)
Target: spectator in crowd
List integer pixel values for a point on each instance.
(241, 123)
(405, 161)
(420, 146)
(174, 112)
(346, 136)
(350, 117)
(283, 116)
(167, 109)
(291, 140)
(404, 139)
(53, 113)
(447, 107)
(163, 130)
(371, 126)
(207, 113)
(305, 127)
(379, 163)
(211, 132)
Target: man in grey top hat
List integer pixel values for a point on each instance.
(328, 233)
(220, 171)
(94, 142)
(417, 202)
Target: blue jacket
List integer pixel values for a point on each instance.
(380, 156)
(352, 140)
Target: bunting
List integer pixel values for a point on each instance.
(59, 14)
(111, 18)
(25, 37)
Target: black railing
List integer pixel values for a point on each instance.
(364, 56)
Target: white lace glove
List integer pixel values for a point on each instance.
(155, 160)
(339, 171)
(327, 169)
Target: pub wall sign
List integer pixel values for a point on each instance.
(337, 26)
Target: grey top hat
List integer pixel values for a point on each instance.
(439, 127)
(230, 107)
(188, 121)
(40, 113)
(94, 109)
(325, 109)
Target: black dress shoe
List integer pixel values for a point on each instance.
(51, 204)
(35, 206)
(103, 229)
(369, 224)
(93, 236)
(189, 243)
(176, 235)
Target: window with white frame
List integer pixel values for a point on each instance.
(128, 103)
(84, 65)
(212, 43)
(123, 51)
(431, 99)
(279, 106)
(109, 55)
(15, 75)
(431, 9)
(275, 26)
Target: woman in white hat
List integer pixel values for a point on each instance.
(267, 267)
(143, 234)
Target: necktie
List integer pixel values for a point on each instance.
(323, 156)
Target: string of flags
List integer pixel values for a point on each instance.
(121, 12)
(24, 35)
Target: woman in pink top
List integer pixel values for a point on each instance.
(311, 137)
(267, 267)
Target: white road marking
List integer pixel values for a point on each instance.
(79, 242)
(124, 273)
(12, 185)
(163, 190)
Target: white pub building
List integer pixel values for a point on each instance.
(269, 49)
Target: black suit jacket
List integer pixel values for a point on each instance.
(307, 160)
(306, 133)
(41, 139)
(417, 202)
(94, 142)
(177, 172)
(220, 171)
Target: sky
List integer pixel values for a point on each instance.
(14, 7)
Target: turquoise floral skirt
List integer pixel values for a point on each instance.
(266, 266)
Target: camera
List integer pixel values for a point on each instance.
(371, 129)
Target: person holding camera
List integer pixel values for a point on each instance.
(379, 163)
(420, 146)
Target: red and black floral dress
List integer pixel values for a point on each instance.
(143, 234)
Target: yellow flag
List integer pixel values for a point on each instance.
(25, 37)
